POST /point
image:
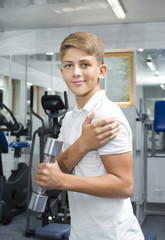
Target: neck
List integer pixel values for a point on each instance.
(83, 99)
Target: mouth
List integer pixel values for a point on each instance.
(78, 82)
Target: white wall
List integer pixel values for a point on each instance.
(137, 35)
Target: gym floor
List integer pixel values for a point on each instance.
(17, 228)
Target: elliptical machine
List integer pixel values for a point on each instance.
(54, 108)
(13, 191)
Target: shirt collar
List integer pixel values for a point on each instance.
(89, 106)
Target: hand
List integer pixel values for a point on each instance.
(49, 176)
(95, 135)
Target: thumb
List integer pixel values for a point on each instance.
(89, 118)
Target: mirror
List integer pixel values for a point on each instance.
(4, 79)
(19, 72)
(119, 78)
(150, 78)
(43, 72)
(150, 81)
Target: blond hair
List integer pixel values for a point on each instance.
(88, 42)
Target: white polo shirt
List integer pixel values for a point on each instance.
(96, 218)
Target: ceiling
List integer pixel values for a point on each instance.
(144, 75)
(40, 14)
(37, 14)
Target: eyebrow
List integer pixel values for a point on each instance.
(67, 61)
(82, 60)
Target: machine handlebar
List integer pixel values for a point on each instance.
(66, 100)
(1, 98)
(15, 127)
(31, 96)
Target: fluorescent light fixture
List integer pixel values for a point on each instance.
(162, 86)
(49, 53)
(49, 89)
(117, 8)
(150, 64)
(140, 49)
(156, 73)
(1, 82)
(29, 84)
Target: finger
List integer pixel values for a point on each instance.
(39, 182)
(110, 133)
(39, 172)
(114, 127)
(108, 139)
(41, 165)
(54, 160)
(37, 178)
(105, 140)
(40, 178)
(107, 129)
(89, 118)
(114, 124)
(103, 122)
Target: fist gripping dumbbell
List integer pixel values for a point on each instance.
(39, 199)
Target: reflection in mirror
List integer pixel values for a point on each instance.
(43, 72)
(150, 67)
(150, 78)
(28, 114)
(57, 82)
(4, 78)
(39, 69)
(150, 82)
(18, 76)
(119, 78)
(18, 72)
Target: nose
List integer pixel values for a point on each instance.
(77, 71)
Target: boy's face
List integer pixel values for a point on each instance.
(81, 73)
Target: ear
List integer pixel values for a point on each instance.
(103, 71)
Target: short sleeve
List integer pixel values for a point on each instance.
(123, 142)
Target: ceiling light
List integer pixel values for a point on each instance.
(156, 73)
(150, 64)
(140, 49)
(49, 53)
(29, 84)
(49, 89)
(162, 86)
(117, 8)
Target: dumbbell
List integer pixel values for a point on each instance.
(39, 199)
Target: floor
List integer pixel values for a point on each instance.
(155, 224)
(16, 230)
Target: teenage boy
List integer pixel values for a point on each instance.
(99, 179)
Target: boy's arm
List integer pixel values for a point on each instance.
(116, 183)
(94, 135)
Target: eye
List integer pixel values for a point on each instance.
(85, 64)
(68, 66)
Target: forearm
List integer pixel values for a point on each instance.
(96, 135)
(71, 156)
(106, 186)
(116, 183)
